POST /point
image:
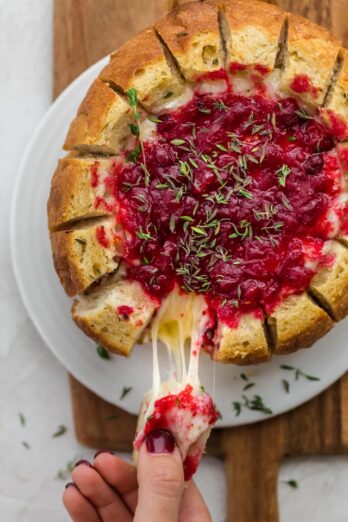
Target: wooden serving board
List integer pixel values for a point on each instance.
(84, 32)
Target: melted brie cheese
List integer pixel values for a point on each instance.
(182, 318)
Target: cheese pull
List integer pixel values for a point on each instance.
(179, 405)
(187, 413)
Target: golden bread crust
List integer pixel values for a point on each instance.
(244, 344)
(102, 122)
(142, 64)
(80, 259)
(72, 196)
(192, 35)
(98, 316)
(311, 55)
(330, 285)
(297, 323)
(252, 32)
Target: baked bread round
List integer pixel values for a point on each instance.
(209, 155)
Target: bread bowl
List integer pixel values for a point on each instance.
(241, 83)
(184, 54)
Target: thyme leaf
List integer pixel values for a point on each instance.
(125, 391)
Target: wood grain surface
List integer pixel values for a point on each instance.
(84, 32)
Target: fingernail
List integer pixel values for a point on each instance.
(160, 441)
(84, 462)
(99, 452)
(70, 484)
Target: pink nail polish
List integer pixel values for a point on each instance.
(82, 462)
(99, 452)
(160, 441)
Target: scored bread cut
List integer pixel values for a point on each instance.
(74, 190)
(252, 32)
(100, 313)
(242, 344)
(82, 256)
(297, 322)
(310, 60)
(102, 122)
(330, 285)
(335, 111)
(192, 36)
(141, 64)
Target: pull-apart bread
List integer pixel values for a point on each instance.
(207, 174)
(208, 158)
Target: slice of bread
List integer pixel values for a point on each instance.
(102, 122)
(73, 192)
(330, 285)
(192, 36)
(297, 323)
(245, 344)
(310, 61)
(82, 256)
(252, 32)
(141, 63)
(99, 315)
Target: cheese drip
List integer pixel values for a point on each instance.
(181, 320)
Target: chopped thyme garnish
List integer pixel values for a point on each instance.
(64, 474)
(286, 385)
(248, 386)
(22, 419)
(220, 106)
(203, 109)
(26, 444)
(254, 404)
(286, 202)
(245, 193)
(301, 113)
(125, 391)
(102, 352)
(244, 231)
(168, 94)
(291, 483)
(182, 34)
(155, 119)
(237, 408)
(282, 174)
(177, 142)
(81, 242)
(199, 230)
(60, 431)
(299, 373)
(145, 236)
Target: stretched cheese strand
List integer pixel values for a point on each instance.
(179, 404)
(180, 319)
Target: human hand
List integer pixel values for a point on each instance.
(111, 490)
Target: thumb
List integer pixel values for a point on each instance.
(160, 479)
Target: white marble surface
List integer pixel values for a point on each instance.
(32, 382)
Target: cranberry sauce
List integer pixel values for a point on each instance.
(230, 200)
(171, 410)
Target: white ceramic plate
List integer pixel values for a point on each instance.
(49, 308)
